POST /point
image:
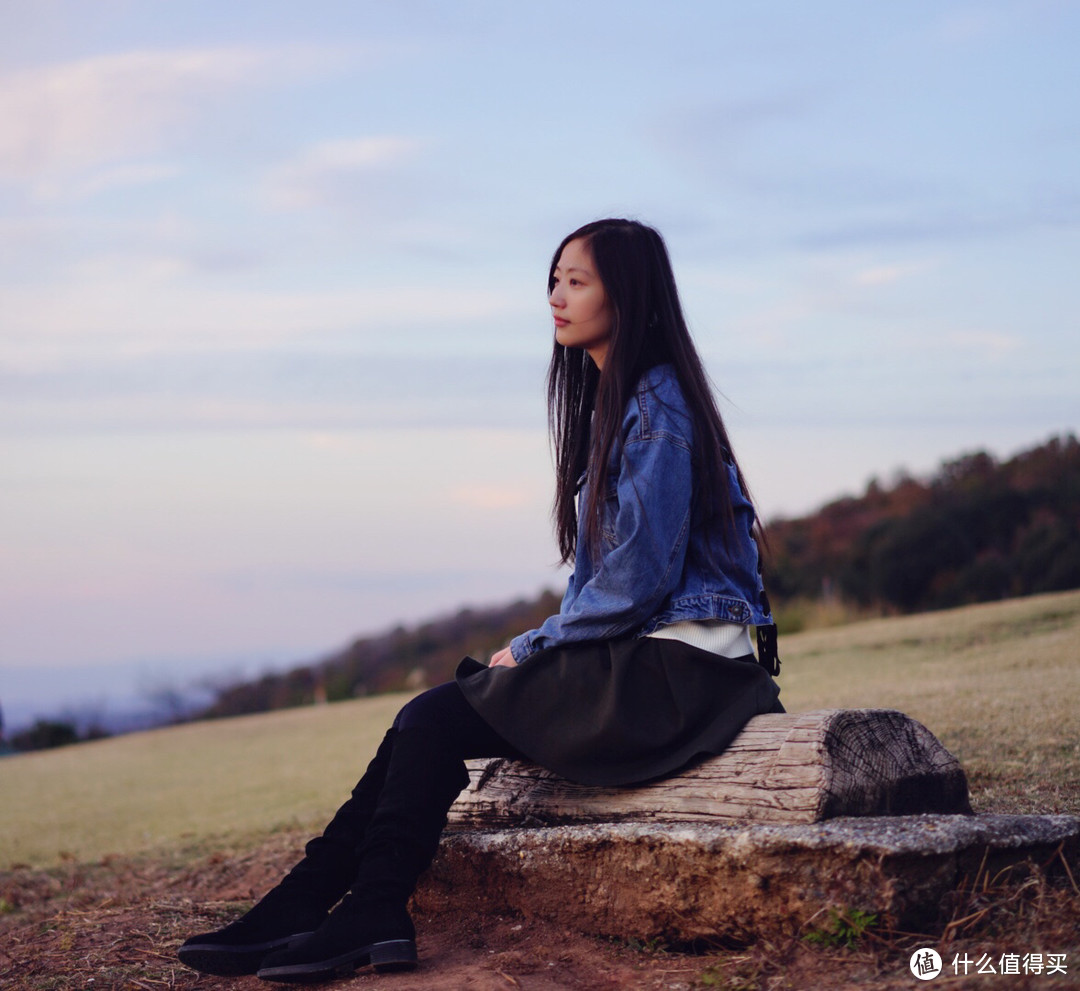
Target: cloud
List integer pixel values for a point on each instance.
(971, 25)
(140, 305)
(714, 140)
(317, 390)
(935, 225)
(69, 117)
(984, 343)
(886, 275)
(491, 497)
(114, 177)
(79, 114)
(329, 171)
(808, 312)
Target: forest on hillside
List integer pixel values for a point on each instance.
(402, 659)
(978, 530)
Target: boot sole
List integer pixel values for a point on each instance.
(391, 954)
(232, 960)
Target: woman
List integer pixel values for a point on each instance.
(647, 666)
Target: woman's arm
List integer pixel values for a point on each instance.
(637, 572)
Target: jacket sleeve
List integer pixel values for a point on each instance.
(643, 564)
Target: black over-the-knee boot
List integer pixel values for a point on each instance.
(372, 923)
(298, 905)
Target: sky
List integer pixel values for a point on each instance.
(273, 330)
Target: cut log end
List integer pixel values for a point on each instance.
(885, 763)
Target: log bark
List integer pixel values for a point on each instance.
(789, 768)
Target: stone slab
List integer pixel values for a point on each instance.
(736, 883)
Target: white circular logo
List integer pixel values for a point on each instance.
(925, 964)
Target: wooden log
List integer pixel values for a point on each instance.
(788, 768)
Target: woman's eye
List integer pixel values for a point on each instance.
(575, 282)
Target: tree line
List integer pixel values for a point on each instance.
(977, 530)
(396, 661)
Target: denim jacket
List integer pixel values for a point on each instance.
(655, 566)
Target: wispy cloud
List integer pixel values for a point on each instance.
(967, 25)
(144, 304)
(321, 174)
(827, 294)
(79, 114)
(887, 275)
(93, 113)
(938, 225)
(983, 343)
(114, 177)
(491, 497)
(714, 138)
(321, 391)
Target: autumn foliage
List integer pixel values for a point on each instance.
(977, 530)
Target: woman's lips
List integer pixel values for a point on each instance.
(560, 322)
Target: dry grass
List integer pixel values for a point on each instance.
(161, 789)
(998, 684)
(220, 809)
(116, 924)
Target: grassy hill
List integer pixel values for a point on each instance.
(998, 683)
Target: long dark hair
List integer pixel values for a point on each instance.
(586, 404)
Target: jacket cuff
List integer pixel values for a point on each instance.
(521, 647)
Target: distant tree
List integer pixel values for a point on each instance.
(44, 735)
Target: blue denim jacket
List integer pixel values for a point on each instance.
(655, 566)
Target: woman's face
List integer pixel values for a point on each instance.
(583, 314)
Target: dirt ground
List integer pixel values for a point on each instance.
(115, 926)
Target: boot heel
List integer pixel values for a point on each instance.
(394, 954)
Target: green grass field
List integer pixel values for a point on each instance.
(999, 684)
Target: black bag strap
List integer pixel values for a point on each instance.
(767, 654)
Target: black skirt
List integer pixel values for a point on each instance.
(619, 712)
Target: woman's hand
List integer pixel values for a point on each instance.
(502, 659)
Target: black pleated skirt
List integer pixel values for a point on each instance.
(619, 712)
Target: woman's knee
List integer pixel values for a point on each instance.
(445, 712)
(435, 709)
